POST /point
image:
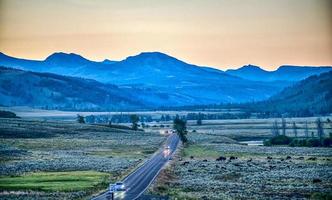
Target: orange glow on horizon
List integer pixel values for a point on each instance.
(218, 33)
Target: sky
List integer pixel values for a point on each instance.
(218, 33)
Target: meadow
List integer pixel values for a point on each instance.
(56, 159)
(251, 129)
(64, 159)
(215, 165)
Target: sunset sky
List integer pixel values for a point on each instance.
(218, 33)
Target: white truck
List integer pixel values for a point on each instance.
(117, 189)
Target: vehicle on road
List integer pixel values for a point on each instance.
(137, 182)
(117, 187)
(120, 186)
(167, 151)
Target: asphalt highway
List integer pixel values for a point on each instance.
(139, 180)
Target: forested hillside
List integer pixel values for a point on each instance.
(50, 91)
(308, 97)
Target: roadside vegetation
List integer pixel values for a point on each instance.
(67, 160)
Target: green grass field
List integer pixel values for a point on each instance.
(199, 151)
(55, 181)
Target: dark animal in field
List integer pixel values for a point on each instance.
(316, 180)
(312, 158)
(221, 158)
(232, 158)
(272, 167)
(185, 162)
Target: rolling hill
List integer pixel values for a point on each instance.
(50, 91)
(307, 97)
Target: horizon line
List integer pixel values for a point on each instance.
(137, 54)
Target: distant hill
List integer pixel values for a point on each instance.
(50, 91)
(308, 97)
(283, 73)
(180, 83)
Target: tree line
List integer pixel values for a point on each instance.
(280, 137)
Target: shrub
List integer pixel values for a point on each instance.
(327, 142)
(313, 143)
(298, 143)
(280, 140)
(267, 143)
(294, 143)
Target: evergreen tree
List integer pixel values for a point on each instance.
(275, 128)
(181, 129)
(306, 130)
(320, 131)
(294, 129)
(134, 120)
(199, 122)
(80, 119)
(283, 126)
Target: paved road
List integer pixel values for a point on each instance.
(138, 181)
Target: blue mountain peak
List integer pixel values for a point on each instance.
(152, 56)
(65, 57)
(107, 61)
(251, 67)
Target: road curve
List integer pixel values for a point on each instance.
(138, 181)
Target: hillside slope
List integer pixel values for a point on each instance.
(310, 96)
(50, 91)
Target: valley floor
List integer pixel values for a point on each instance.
(67, 160)
(215, 166)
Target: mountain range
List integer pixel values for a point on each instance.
(153, 79)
